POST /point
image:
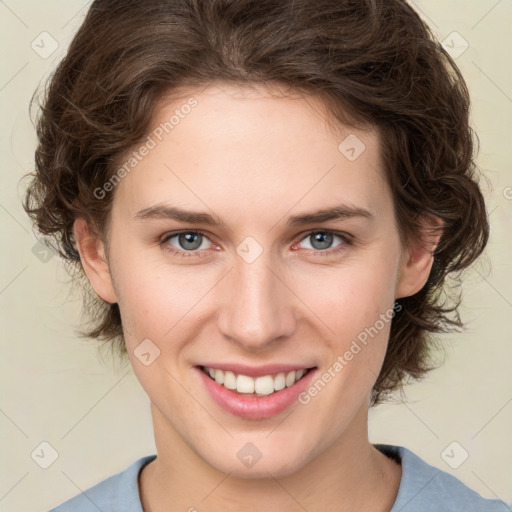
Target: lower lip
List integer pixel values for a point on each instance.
(255, 407)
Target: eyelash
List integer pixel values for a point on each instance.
(347, 240)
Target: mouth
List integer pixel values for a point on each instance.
(263, 385)
(268, 392)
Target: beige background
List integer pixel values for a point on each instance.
(56, 388)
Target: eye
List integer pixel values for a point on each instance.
(321, 241)
(187, 242)
(191, 243)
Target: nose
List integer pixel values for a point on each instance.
(258, 308)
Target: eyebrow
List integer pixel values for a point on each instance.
(163, 211)
(344, 211)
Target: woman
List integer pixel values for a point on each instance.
(266, 198)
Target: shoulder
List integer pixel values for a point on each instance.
(425, 488)
(117, 492)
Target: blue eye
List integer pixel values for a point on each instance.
(322, 240)
(190, 243)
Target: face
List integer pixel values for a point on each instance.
(253, 288)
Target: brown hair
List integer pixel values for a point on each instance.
(372, 62)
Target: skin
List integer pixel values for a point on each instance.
(272, 155)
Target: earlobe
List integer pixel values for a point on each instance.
(94, 260)
(417, 259)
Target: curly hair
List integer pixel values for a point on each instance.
(373, 63)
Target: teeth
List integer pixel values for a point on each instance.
(264, 385)
(244, 384)
(261, 386)
(229, 380)
(279, 381)
(219, 376)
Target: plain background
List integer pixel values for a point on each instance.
(56, 388)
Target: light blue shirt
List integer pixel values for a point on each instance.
(423, 488)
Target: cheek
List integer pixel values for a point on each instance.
(350, 298)
(357, 307)
(154, 296)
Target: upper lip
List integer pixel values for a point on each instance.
(257, 371)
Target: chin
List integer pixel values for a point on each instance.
(246, 460)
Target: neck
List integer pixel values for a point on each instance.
(349, 475)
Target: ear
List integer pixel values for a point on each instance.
(94, 260)
(417, 259)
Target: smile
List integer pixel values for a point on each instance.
(259, 386)
(267, 392)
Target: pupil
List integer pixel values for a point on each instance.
(325, 240)
(187, 238)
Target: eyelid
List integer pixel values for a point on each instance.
(346, 237)
(165, 238)
(309, 232)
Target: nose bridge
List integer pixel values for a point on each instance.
(259, 308)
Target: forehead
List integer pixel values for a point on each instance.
(248, 148)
